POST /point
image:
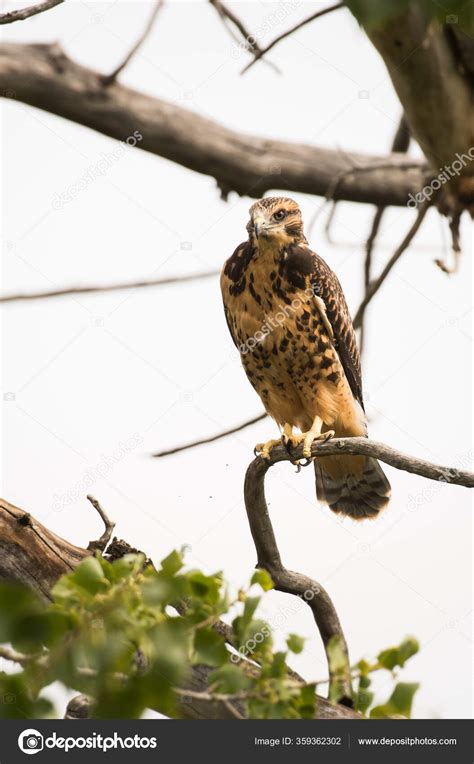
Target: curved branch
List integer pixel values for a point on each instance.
(109, 78)
(43, 76)
(268, 557)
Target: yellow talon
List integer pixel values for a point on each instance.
(263, 449)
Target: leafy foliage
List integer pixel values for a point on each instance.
(128, 635)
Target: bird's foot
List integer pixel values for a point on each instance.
(310, 437)
(263, 449)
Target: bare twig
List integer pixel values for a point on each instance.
(88, 288)
(212, 438)
(26, 13)
(248, 38)
(455, 246)
(101, 543)
(313, 17)
(108, 79)
(401, 143)
(375, 285)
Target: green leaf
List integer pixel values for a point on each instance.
(337, 656)
(86, 580)
(210, 647)
(17, 604)
(398, 656)
(295, 643)
(278, 666)
(306, 703)
(263, 579)
(364, 699)
(229, 679)
(399, 703)
(172, 564)
(241, 623)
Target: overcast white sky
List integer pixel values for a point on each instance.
(153, 368)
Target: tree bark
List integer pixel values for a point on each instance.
(430, 74)
(43, 76)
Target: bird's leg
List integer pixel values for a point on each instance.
(287, 437)
(315, 434)
(263, 449)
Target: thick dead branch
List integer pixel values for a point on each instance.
(210, 439)
(89, 288)
(259, 53)
(44, 77)
(374, 287)
(109, 78)
(33, 556)
(26, 13)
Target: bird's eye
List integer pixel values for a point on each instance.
(279, 215)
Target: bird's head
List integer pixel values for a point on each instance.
(275, 220)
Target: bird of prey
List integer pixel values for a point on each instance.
(288, 317)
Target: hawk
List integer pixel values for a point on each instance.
(288, 317)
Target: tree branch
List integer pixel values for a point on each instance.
(366, 447)
(101, 543)
(247, 38)
(400, 143)
(313, 17)
(268, 557)
(108, 79)
(44, 77)
(89, 288)
(211, 438)
(26, 13)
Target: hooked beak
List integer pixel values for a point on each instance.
(259, 226)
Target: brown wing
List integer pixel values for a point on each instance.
(330, 297)
(233, 281)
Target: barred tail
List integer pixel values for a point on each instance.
(352, 485)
